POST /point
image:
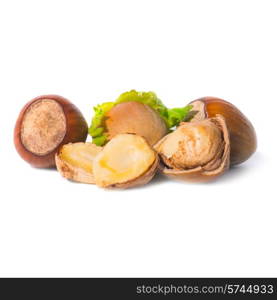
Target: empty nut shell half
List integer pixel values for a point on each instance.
(74, 161)
(197, 151)
(127, 160)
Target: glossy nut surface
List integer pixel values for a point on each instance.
(45, 124)
(243, 140)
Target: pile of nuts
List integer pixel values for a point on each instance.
(51, 132)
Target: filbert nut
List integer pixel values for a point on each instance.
(74, 161)
(135, 117)
(45, 124)
(127, 160)
(243, 140)
(196, 151)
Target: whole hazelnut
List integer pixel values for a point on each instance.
(45, 124)
(243, 140)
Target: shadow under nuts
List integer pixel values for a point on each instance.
(133, 137)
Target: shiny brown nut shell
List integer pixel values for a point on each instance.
(45, 124)
(74, 161)
(243, 140)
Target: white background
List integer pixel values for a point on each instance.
(90, 52)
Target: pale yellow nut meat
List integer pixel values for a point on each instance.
(125, 159)
(74, 161)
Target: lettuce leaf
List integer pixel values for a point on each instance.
(177, 115)
(172, 117)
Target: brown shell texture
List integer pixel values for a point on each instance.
(76, 131)
(243, 139)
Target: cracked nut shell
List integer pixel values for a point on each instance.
(45, 124)
(74, 161)
(197, 151)
(243, 140)
(127, 160)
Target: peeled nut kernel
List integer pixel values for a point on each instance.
(197, 151)
(125, 161)
(44, 125)
(192, 145)
(74, 161)
(243, 140)
(138, 118)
